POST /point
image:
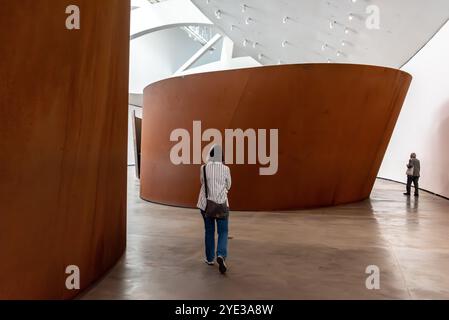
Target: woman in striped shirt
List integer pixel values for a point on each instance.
(218, 178)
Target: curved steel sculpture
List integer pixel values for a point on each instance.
(63, 127)
(334, 122)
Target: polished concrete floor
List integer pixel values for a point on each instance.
(310, 254)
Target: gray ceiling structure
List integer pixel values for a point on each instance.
(377, 32)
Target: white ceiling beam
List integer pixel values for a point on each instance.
(163, 15)
(199, 54)
(227, 49)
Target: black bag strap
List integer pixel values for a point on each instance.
(205, 180)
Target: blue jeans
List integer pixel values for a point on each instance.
(209, 237)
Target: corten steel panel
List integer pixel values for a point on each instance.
(63, 138)
(334, 121)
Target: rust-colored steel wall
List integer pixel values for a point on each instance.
(63, 138)
(334, 121)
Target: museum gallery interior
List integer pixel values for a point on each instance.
(108, 109)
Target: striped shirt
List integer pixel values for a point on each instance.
(218, 184)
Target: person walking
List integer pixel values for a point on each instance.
(215, 180)
(413, 175)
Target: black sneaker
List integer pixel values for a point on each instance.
(406, 194)
(222, 265)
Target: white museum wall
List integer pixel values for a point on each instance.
(235, 63)
(159, 54)
(423, 126)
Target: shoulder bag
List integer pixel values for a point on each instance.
(214, 210)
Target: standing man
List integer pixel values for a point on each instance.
(413, 174)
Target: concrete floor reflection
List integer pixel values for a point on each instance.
(308, 254)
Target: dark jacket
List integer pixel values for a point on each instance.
(416, 165)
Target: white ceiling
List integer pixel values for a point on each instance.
(306, 36)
